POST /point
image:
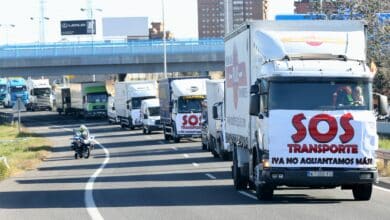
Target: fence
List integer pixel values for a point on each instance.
(6, 118)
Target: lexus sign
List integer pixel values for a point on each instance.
(78, 27)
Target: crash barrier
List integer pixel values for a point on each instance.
(383, 128)
(385, 155)
(6, 118)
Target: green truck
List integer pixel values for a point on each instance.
(87, 99)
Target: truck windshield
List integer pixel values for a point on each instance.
(18, 89)
(324, 95)
(186, 105)
(42, 91)
(154, 111)
(97, 98)
(136, 102)
(2, 88)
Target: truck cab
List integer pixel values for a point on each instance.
(150, 114)
(16, 88)
(40, 94)
(181, 106)
(299, 107)
(3, 90)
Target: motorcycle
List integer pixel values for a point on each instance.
(81, 146)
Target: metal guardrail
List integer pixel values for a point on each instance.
(383, 128)
(6, 118)
(107, 48)
(385, 155)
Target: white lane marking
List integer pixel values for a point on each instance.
(195, 164)
(211, 176)
(186, 155)
(381, 188)
(88, 195)
(148, 137)
(247, 195)
(174, 148)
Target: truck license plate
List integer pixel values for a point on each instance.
(320, 173)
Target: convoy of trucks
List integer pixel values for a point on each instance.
(40, 94)
(128, 97)
(150, 114)
(291, 114)
(87, 99)
(295, 108)
(180, 106)
(216, 120)
(15, 89)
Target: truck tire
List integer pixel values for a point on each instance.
(226, 156)
(166, 136)
(144, 130)
(362, 192)
(264, 191)
(239, 182)
(204, 146)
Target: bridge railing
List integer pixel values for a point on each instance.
(111, 47)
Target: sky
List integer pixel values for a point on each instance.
(180, 17)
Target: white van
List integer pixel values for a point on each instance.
(150, 114)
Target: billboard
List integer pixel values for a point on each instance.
(131, 27)
(78, 27)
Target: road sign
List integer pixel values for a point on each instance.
(19, 105)
(78, 27)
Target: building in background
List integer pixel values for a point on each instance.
(130, 28)
(314, 6)
(156, 31)
(211, 15)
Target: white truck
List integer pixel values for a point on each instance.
(41, 95)
(215, 90)
(112, 117)
(180, 106)
(150, 114)
(293, 113)
(87, 99)
(128, 97)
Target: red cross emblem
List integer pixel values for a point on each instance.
(235, 76)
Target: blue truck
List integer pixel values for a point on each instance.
(15, 88)
(3, 90)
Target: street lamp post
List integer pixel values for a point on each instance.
(90, 16)
(41, 27)
(164, 39)
(7, 27)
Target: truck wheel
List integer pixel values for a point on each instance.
(144, 130)
(362, 192)
(226, 156)
(166, 136)
(204, 146)
(176, 139)
(238, 180)
(149, 131)
(264, 191)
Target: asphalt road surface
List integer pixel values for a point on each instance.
(136, 176)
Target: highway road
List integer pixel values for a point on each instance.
(136, 176)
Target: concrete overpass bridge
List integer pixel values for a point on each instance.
(80, 58)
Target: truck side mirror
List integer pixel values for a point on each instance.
(254, 106)
(31, 92)
(113, 108)
(383, 105)
(215, 112)
(254, 89)
(145, 116)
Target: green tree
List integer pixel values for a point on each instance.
(378, 34)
